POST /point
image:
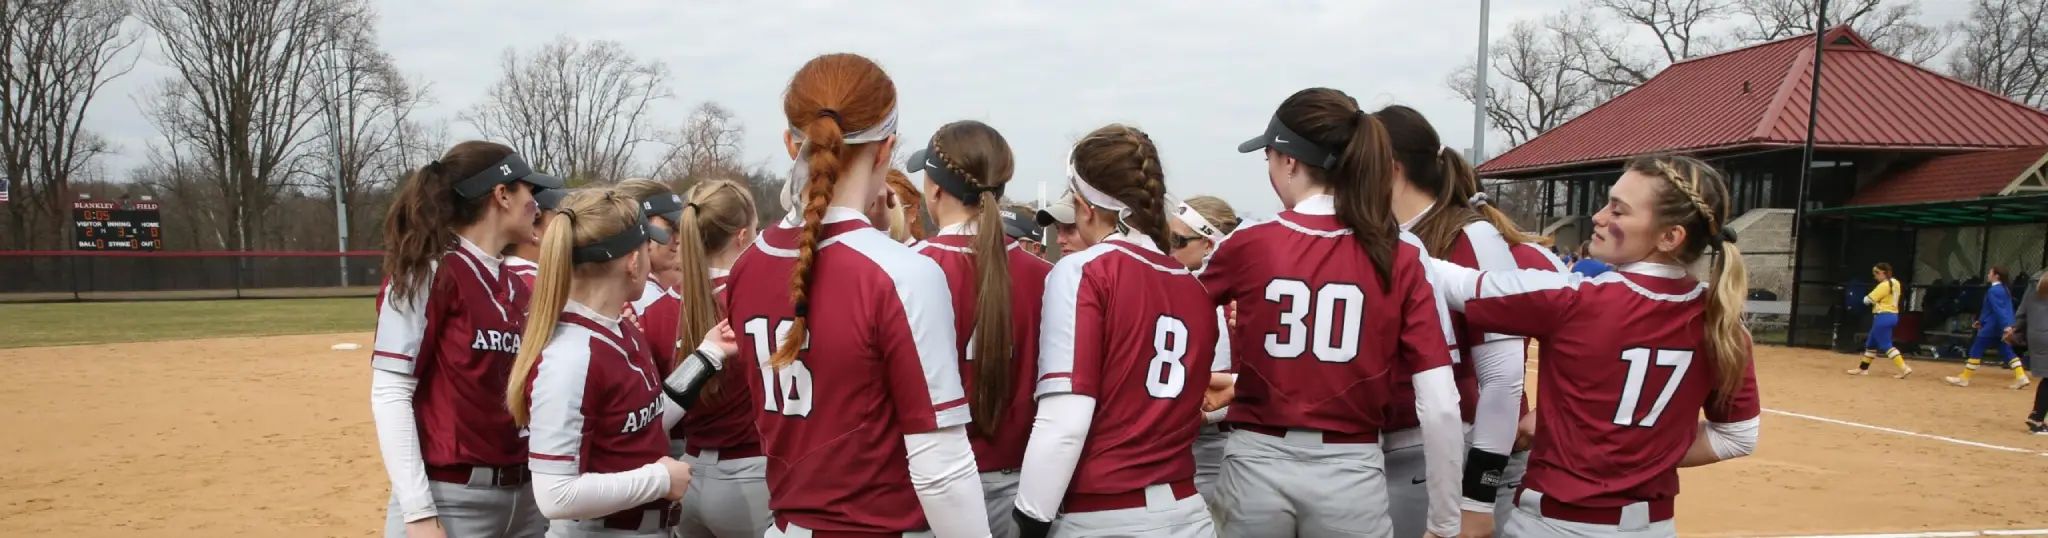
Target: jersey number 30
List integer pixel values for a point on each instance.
(1639, 361)
(789, 389)
(1338, 307)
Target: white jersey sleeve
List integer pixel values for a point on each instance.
(402, 326)
(1497, 358)
(555, 407)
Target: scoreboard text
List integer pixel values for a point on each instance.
(114, 226)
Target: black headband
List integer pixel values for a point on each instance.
(927, 160)
(611, 248)
(511, 169)
(1285, 141)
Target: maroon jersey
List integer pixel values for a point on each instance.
(879, 365)
(1319, 341)
(522, 268)
(458, 333)
(658, 312)
(1129, 327)
(1004, 450)
(595, 399)
(1478, 246)
(1618, 406)
(723, 418)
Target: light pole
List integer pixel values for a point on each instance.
(334, 137)
(1479, 89)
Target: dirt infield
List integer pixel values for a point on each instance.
(271, 436)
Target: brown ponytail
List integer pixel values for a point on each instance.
(1433, 168)
(829, 96)
(1694, 196)
(979, 155)
(717, 211)
(586, 216)
(1363, 180)
(421, 224)
(1122, 162)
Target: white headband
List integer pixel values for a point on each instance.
(1187, 215)
(800, 173)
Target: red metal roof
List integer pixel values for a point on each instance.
(1955, 177)
(1757, 97)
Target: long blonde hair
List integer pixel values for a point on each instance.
(586, 216)
(717, 211)
(1695, 196)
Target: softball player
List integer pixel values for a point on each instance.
(1618, 407)
(587, 387)
(862, 413)
(729, 476)
(1992, 320)
(1884, 316)
(658, 312)
(1060, 217)
(996, 288)
(1123, 346)
(1437, 198)
(1199, 224)
(521, 255)
(1317, 361)
(448, 324)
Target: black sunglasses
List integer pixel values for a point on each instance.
(1182, 241)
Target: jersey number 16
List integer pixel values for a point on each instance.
(788, 389)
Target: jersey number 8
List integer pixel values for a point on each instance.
(789, 389)
(1339, 308)
(1165, 376)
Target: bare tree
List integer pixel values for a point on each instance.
(246, 94)
(1675, 23)
(366, 107)
(572, 108)
(711, 142)
(2005, 49)
(59, 54)
(1892, 27)
(1534, 88)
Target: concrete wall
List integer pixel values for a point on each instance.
(1765, 237)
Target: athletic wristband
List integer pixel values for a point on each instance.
(1028, 527)
(690, 376)
(1483, 474)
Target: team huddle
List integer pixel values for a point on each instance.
(628, 360)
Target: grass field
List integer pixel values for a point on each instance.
(57, 324)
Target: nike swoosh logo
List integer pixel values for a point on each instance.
(1421, 480)
(1278, 140)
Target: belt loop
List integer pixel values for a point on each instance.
(1635, 517)
(795, 531)
(481, 477)
(1532, 501)
(1159, 498)
(709, 455)
(1305, 438)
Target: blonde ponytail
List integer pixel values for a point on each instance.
(550, 295)
(1726, 335)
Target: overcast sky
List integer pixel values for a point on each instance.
(1199, 76)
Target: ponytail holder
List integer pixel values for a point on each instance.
(1726, 236)
(834, 114)
(693, 205)
(1477, 200)
(435, 166)
(803, 309)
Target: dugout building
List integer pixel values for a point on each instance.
(1939, 178)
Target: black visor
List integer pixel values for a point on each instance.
(666, 206)
(1019, 227)
(509, 170)
(618, 245)
(550, 199)
(927, 160)
(1284, 140)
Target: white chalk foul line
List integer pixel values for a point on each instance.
(1913, 434)
(1941, 534)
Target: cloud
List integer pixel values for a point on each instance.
(1199, 76)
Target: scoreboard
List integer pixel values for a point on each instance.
(117, 226)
